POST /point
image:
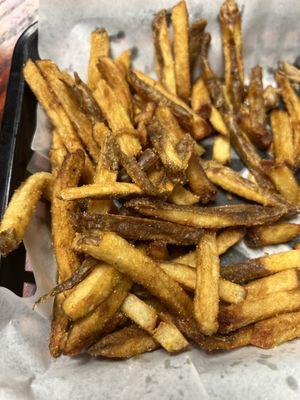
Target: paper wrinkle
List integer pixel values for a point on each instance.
(271, 32)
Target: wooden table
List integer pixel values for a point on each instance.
(15, 17)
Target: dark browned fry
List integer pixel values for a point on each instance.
(280, 232)
(125, 343)
(196, 32)
(135, 228)
(233, 340)
(208, 217)
(259, 267)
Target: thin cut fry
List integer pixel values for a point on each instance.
(125, 343)
(99, 42)
(208, 217)
(163, 52)
(282, 138)
(280, 232)
(285, 182)
(20, 209)
(180, 22)
(58, 152)
(233, 340)
(182, 196)
(126, 259)
(123, 62)
(196, 31)
(276, 330)
(239, 315)
(282, 281)
(259, 267)
(221, 149)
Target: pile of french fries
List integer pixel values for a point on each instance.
(136, 237)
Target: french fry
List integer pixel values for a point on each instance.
(97, 191)
(139, 312)
(282, 138)
(117, 82)
(180, 22)
(117, 117)
(125, 343)
(274, 331)
(123, 62)
(59, 327)
(290, 71)
(58, 152)
(169, 337)
(157, 250)
(80, 121)
(233, 340)
(118, 252)
(208, 217)
(285, 182)
(230, 21)
(196, 31)
(206, 299)
(231, 181)
(165, 68)
(153, 91)
(292, 103)
(99, 47)
(260, 267)
(221, 149)
(174, 159)
(186, 276)
(257, 113)
(280, 232)
(86, 331)
(198, 181)
(182, 196)
(20, 209)
(91, 292)
(159, 178)
(247, 312)
(201, 104)
(136, 228)
(279, 282)
(226, 239)
(117, 321)
(271, 97)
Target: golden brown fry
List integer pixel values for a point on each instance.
(206, 299)
(280, 232)
(247, 312)
(221, 149)
(99, 42)
(282, 281)
(226, 239)
(125, 343)
(201, 104)
(182, 196)
(58, 152)
(208, 217)
(123, 62)
(126, 259)
(230, 20)
(56, 114)
(198, 181)
(174, 159)
(163, 52)
(259, 267)
(292, 103)
(282, 138)
(136, 228)
(80, 121)
(159, 179)
(271, 97)
(86, 331)
(180, 22)
(139, 312)
(233, 340)
(170, 337)
(274, 331)
(285, 182)
(20, 209)
(186, 276)
(117, 321)
(231, 181)
(117, 117)
(91, 292)
(117, 82)
(153, 91)
(196, 31)
(100, 191)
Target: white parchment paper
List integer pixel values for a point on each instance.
(271, 32)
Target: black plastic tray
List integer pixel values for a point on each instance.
(18, 126)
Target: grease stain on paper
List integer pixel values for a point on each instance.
(292, 383)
